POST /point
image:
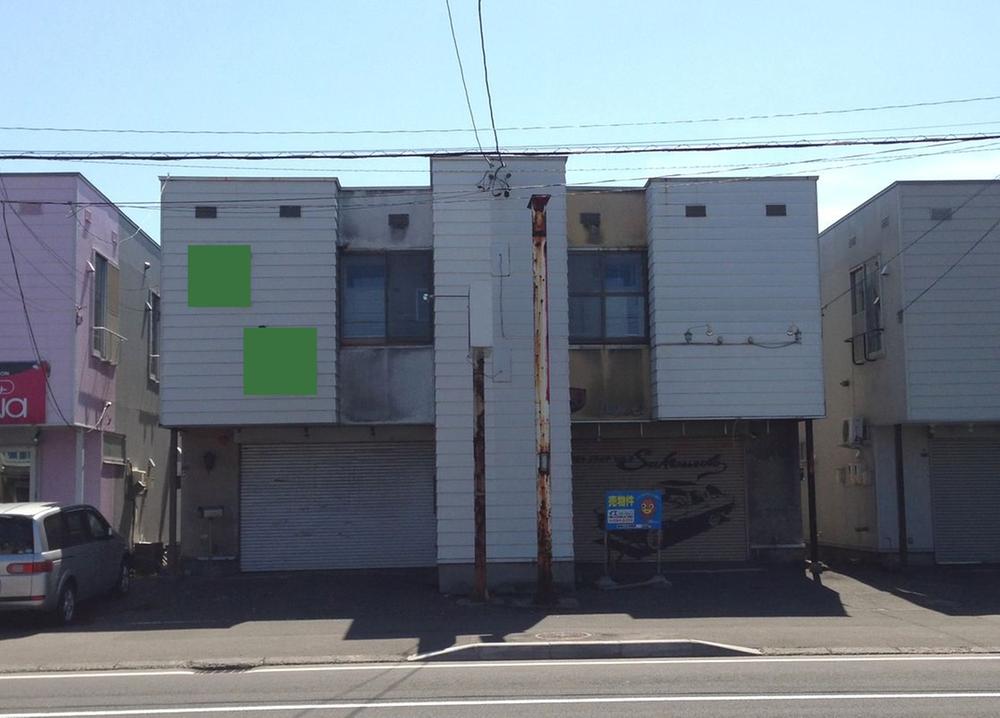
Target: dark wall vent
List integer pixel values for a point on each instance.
(940, 214)
(399, 221)
(590, 219)
(775, 210)
(695, 210)
(206, 212)
(290, 210)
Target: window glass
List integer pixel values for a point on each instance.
(625, 316)
(410, 286)
(100, 290)
(16, 535)
(363, 296)
(55, 532)
(585, 317)
(584, 272)
(858, 290)
(97, 526)
(623, 272)
(77, 531)
(607, 302)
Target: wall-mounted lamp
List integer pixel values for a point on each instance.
(90, 266)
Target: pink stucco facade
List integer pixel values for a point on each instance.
(54, 239)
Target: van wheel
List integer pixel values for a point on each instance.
(66, 607)
(124, 583)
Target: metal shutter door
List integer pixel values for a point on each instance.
(965, 487)
(713, 530)
(336, 506)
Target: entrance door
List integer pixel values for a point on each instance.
(15, 475)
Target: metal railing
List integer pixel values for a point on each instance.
(106, 344)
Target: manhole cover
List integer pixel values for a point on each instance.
(562, 636)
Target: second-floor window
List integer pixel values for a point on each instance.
(607, 297)
(866, 310)
(154, 336)
(385, 298)
(105, 342)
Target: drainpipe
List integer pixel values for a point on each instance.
(81, 467)
(901, 499)
(814, 565)
(539, 265)
(174, 551)
(479, 592)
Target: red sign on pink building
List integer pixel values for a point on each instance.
(22, 393)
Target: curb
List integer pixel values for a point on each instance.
(577, 650)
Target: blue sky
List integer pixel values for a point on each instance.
(390, 64)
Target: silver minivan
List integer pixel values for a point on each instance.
(53, 556)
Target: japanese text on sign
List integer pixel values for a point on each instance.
(632, 510)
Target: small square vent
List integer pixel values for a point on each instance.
(206, 212)
(399, 221)
(775, 210)
(290, 210)
(695, 210)
(590, 219)
(941, 214)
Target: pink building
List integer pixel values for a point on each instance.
(79, 386)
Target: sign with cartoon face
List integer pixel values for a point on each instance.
(632, 510)
(22, 393)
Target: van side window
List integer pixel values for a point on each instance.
(55, 532)
(98, 526)
(76, 529)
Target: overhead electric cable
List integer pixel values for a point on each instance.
(465, 86)
(561, 150)
(522, 128)
(486, 79)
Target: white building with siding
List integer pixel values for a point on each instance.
(908, 456)
(317, 362)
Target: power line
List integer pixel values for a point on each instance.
(528, 151)
(486, 79)
(465, 86)
(906, 248)
(522, 128)
(946, 272)
(27, 314)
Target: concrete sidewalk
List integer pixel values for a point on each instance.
(375, 616)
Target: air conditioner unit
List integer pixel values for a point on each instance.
(853, 431)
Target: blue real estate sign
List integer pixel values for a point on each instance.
(632, 510)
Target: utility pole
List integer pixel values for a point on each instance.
(539, 265)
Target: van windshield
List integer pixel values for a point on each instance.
(16, 535)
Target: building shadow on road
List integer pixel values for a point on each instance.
(392, 605)
(949, 590)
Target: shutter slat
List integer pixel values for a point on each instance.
(337, 506)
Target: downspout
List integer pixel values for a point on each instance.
(904, 540)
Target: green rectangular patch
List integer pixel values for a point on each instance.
(279, 361)
(219, 275)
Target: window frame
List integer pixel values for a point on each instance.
(386, 339)
(866, 301)
(603, 295)
(153, 344)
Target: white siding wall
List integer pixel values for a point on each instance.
(468, 229)
(747, 275)
(293, 285)
(953, 331)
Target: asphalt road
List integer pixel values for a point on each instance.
(755, 686)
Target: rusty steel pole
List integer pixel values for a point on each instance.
(540, 278)
(479, 591)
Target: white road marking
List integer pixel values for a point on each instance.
(471, 703)
(461, 665)
(93, 674)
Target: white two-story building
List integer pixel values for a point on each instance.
(316, 358)
(908, 460)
